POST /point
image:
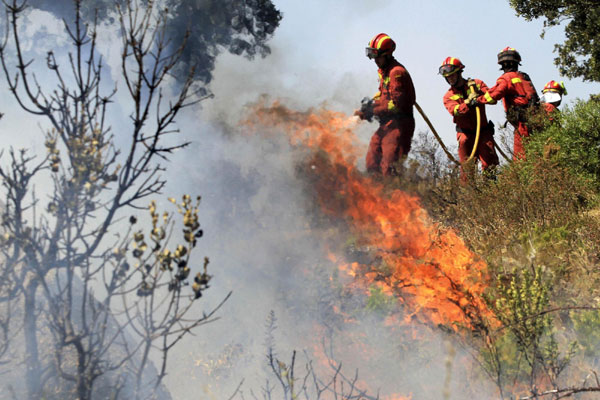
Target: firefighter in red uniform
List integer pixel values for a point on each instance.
(392, 106)
(552, 95)
(456, 101)
(518, 95)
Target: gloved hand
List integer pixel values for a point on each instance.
(366, 109)
(471, 82)
(471, 99)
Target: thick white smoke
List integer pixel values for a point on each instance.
(264, 246)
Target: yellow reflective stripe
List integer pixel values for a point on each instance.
(455, 112)
(381, 40)
(452, 60)
(478, 86)
(377, 96)
(456, 97)
(516, 80)
(386, 81)
(488, 98)
(391, 106)
(378, 74)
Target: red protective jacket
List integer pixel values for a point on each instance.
(393, 106)
(513, 88)
(551, 110)
(516, 90)
(396, 96)
(465, 118)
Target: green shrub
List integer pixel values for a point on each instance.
(379, 302)
(587, 328)
(576, 137)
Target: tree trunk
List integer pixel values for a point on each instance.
(32, 361)
(83, 388)
(84, 383)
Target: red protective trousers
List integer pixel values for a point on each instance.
(389, 144)
(521, 131)
(485, 153)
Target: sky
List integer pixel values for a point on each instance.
(253, 209)
(318, 53)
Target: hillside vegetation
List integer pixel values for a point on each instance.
(537, 227)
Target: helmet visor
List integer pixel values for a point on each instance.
(371, 52)
(448, 69)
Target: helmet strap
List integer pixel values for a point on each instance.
(387, 58)
(459, 81)
(509, 66)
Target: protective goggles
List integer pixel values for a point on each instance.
(448, 69)
(371, 52)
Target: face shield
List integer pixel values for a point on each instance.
(551, 97)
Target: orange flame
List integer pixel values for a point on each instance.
(431, 270)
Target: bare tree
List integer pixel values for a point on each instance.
(291, 382)
(108, 294)
(566, 392)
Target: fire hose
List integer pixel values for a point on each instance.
(418, 107)
(501, 152)
(478, 134)
(478, 131)
(439, 139)
(367, 109)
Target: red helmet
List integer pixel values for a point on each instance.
(509, 54)
(556, 87)
(450, 66)
(380, 45)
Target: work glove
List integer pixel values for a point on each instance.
(471, 99)
(471, 82)
(366, 109)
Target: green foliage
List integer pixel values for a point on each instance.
(534, 209)
(587, 327)
(520, 307)
(502, 358)
(540, 210)
(379, 302)
(526, 348)
(579, 55)
(573, 143)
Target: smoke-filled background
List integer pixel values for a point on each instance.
(263, 232)
(254, 200)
